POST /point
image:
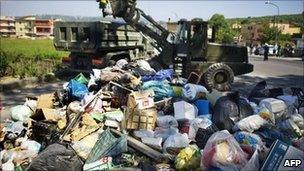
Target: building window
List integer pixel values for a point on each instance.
(86, 33)
(74, 36)
(63, 33)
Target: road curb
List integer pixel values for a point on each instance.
(278, 58)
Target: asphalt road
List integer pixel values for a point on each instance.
(277, 73)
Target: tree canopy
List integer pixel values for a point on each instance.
(224, 33)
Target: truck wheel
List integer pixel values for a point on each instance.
(219, 76)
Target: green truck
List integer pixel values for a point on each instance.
(98, 43)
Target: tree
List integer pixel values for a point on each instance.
(224, 32)
(268, 34)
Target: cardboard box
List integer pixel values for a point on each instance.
(184, 110)
(282, 156)
(45, 101)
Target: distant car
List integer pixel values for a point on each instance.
(260, 50)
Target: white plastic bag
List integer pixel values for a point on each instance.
(31, 145)
(250, 123)
(176, 141)
(224, 152)
(21, 113)
(166, 121)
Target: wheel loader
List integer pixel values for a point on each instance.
(188, 50)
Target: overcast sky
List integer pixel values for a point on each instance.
(160, 10)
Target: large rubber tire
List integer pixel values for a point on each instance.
(219, 76)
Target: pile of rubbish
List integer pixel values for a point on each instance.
(130, 117)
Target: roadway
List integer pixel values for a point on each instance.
(277, 72)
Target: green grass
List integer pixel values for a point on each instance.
(27, 57)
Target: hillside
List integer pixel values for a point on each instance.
(296, 19)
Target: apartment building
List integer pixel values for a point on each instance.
(7, 26)
(25, 27)
(44, 27)
(286, 28)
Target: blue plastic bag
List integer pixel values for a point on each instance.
(161, 75)
(77, 90)
(161, 89)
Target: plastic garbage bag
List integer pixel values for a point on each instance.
(199, 122)
(298, 120)
(194, 91)
(31, 145)
(250, 124)
(14, 127)
(253, 163)
(56, 157)
(80, 78)
(161, 89)
(223, 151)
(161, 75)
(32, 104)
(164, 133)
(77, 90)
(249, 142)
(21, 113)
(107, 145)
(144, 65)
(266, 114)
(258, 91)
(188, 159)
(245, 108)
(121, 63)
(166, 121)
(225, 112)
(175, 142)
(269, 135)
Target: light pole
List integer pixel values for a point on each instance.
(275, 19)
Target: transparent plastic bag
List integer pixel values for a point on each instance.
(164, 133)
(253, 163)
(223, 151)
(166, 121)
(175, 142)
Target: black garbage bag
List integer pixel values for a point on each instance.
(225, 112)
(269, 135)
(45, 132)
(258, 91)
(56, 157)
(244, 108)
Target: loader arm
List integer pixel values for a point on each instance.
(142, 22)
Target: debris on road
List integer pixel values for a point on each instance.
(127, 117)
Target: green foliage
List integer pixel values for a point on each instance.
(24, 57)
(224, 32)
(296, 19)
(269, 35)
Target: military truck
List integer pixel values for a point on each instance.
(98, 43)
(188, 50)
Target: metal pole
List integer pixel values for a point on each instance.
(276, 19)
